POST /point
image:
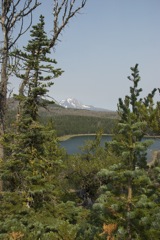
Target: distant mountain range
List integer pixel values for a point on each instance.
(69, 103)
(74, 103)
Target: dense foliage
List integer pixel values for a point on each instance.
(104, 193)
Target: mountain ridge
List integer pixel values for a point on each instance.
(75, 104)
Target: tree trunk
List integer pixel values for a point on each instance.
(129, 200)
(3, 99)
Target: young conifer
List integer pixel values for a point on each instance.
(127, 199)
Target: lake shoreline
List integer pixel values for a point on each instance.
(66, 137)
(154, 158)
(72, 144)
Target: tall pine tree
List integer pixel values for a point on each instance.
(30, 205)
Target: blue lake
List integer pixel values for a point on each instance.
(74, 144)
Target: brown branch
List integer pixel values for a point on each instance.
(11, 16)
(25, 81)
(64, 11)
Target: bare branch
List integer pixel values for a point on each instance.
(12, 13)
(21, 31)
(63, 11)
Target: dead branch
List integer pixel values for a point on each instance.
(12, 13)
(63, 11)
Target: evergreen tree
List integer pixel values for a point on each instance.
(36, 71)
(150, 111)
(127, 199)
(31, 207)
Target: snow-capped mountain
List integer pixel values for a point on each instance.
(74, 103)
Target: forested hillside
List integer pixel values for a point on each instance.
(46, 194)
(71, 121)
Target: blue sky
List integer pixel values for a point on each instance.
(99, 46)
